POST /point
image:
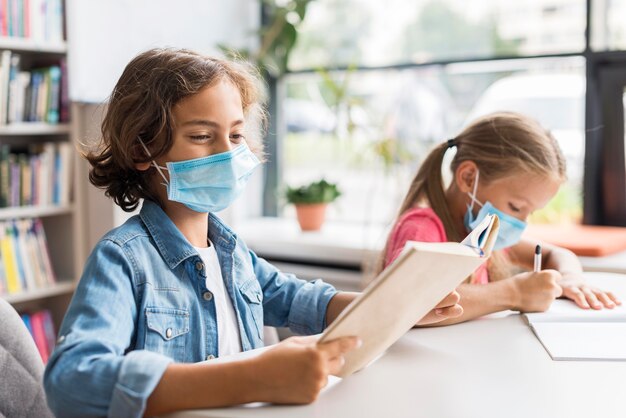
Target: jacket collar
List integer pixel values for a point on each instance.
(171, 243)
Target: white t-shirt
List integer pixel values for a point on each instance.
(228, 338)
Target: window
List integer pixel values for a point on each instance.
(374, 85)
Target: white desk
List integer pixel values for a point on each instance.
(614, 263)
(490, 367)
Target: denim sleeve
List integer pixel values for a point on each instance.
(90, 372)
(289, 301)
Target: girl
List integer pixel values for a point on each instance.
(505, 163)
(174, 285)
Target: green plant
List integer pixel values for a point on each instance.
(316, 192)
(277, 36)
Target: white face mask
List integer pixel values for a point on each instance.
(211, 183)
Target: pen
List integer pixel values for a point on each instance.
(537, 258)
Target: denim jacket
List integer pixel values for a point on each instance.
(142, 303)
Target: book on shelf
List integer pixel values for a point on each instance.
(35, 95)
(39, 20)
(41, 328)
(39, 175)
(24, 256)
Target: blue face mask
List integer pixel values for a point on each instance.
(511, 228)
(211, 183)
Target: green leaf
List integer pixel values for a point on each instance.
(316, 192)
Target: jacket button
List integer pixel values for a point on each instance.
(207, 295)
(168, 333)
(210, 357)
(199, 265)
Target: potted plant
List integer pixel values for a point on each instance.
(311, 202)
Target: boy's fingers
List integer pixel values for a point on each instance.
(604, 299)
(339, 346)
(336, 364)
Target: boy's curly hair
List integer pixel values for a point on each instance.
(141, 107)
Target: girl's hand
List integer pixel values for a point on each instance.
(447, 308)
(575, 288)
(535, 291)
(295, 370)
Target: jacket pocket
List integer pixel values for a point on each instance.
(166, 330)
(253, 295)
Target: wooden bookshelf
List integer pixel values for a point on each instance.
(34, 128)
(61, 222)
(28, 45)
(20, 212)
(63, 287)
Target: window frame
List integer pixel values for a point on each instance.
(601, 205)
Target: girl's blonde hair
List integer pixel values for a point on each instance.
(140, 107)
(500, 144)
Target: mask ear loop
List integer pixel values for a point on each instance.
(473, 194)
(154, 163)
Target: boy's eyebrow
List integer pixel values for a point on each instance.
(210, 123)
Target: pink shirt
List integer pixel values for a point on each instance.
(422, 224)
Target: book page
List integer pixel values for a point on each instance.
(583, 340)
(568, 332)
(565, 310)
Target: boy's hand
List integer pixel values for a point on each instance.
(576, 289)
(447, 308)
(295, 370)
(535, 291)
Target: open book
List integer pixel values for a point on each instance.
(422, 275)
(568, 332)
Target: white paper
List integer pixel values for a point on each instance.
(568, 332)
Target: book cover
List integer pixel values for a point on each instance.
(14, 166)
(65, 173)
(8, 260)
(35, 82)
(43, 250)
(21, 234)
(3, 17)
(54, 96)
(20, 261)
(4, 176)
(26, 320)
(42, 95)
(14, 89)
(39, 335)
(25, 185)
(32, 251)
(5, 67)
(49, 331)
(64, 112)
(405, 291)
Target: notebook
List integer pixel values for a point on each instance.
(570, 333)
(407, 290)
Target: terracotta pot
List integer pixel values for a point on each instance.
(311, 216)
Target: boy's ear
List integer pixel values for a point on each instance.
(465, 176)
(142, 166)
(140, 153)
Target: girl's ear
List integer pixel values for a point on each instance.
(465, 176)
